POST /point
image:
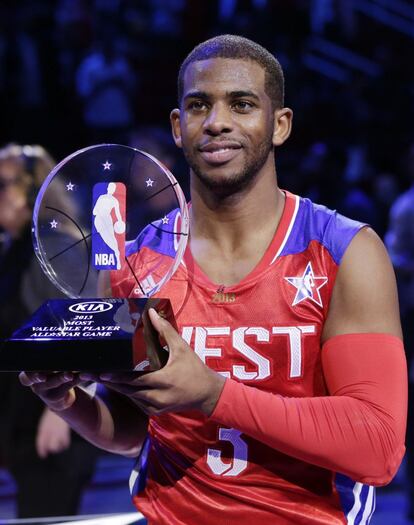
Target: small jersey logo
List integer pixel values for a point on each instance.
(223, 297)
(307, 286)
(91, 307)
(108, 225)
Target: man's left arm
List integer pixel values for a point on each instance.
(359, 429)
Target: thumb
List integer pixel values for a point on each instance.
(165, 329)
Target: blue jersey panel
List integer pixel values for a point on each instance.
(318, 223)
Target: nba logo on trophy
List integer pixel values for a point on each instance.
(108, 225)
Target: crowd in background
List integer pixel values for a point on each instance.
(80, 72)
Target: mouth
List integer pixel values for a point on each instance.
(220, 152)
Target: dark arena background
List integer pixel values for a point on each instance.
(80, 72)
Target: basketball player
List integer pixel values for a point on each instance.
(284, 397)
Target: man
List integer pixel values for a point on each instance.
(293, 403)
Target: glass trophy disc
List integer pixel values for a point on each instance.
(110, 208)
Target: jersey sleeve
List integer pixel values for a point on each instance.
(357, 430)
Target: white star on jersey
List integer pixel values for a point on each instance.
(307, 286)
(70, 186)
(107, 165)
(53, 224)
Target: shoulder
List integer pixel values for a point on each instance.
(364, 297)
(366, 257)
(315, 222)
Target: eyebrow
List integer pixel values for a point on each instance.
(196, 94)
(243, 93)
(203, 95)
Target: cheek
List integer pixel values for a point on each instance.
(190, 134)
(258, 128)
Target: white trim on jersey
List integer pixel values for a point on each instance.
(368, 505)
(352, 514)
(129, 518)
(292, 222)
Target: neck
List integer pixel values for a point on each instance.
(230, 235)
(229, 220)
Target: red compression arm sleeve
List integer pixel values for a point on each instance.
(358, 430)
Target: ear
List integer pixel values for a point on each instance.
(175, 127)
(283, 126)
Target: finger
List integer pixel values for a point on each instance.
(30, 378)
(64, 380)
(65, 402)
(49, 380)
(59, 398)
(164, 328)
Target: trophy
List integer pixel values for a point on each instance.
(110, 227)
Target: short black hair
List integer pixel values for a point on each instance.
(234, 46)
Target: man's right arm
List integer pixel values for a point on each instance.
(107, 419)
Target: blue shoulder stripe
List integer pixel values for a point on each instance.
(318, 223)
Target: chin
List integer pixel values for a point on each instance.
(224, 183)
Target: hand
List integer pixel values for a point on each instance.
(53, 434)
(55, 389)
(185, 383)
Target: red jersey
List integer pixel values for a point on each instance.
(264, 331)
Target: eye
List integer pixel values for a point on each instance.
(242, 106)
(197, 105)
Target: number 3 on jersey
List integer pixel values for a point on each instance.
(239, 461)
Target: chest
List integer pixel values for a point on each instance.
(229, 268)
(265, 333)
(227, 272)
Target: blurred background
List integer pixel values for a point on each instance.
(80, 72)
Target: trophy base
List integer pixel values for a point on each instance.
(88, 335)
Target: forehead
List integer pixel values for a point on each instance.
(224, 74)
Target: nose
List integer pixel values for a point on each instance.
(218, 120)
